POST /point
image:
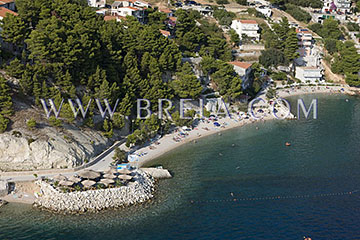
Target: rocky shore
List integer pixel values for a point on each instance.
(2, 203)
(135, 192)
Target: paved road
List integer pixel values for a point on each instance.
(99, 163)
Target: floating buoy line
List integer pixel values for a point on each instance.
(235, 199)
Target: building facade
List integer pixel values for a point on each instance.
(97, 3)
(244, 71)
(250, 28)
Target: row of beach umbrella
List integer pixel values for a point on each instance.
(89, 176)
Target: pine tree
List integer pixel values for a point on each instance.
(5, 98)
(26, 82)
(36, 90)
(65, 82)
(44, 90)
(291, 46)
(96, 79)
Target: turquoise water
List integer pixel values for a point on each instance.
(280, 192)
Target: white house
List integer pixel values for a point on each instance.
(311, 75)
(305, 37)
(266, 11)
(244, 71)
(249, 28)
(97, 3)
(141, 4)
(338, 6)
(343, 6)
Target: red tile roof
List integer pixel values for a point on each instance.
(133, 1)
(4, 11)
(244, 65)
(165, 10)
(248, 21)
(6, 1)
(109, 18)
(132, 8)
(164, 32)
(173, 19)
(302, 30)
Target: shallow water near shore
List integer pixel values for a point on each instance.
(244, 184)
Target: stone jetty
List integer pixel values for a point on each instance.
(138, 191)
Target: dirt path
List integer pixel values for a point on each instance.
(330, 75)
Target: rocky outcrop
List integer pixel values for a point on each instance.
(2, 202)
(4, 188)
(20, 152)
(96, 200)
(158, 173)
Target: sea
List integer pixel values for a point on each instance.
(244, 183)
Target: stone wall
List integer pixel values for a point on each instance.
(96, 200)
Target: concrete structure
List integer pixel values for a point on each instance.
(128, 8)
(97, 3)
(337, 6)
(249, 28)
(266, 11)
(244, 71)
(310, 75)
(305, 37)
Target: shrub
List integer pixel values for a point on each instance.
(3, 123)
(279, 76)
(220, 2)
(241, 2)
(30, 140)
(53, 121)
(31, 123)
(298, 13)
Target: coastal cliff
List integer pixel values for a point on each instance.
(96, 200)
(51, 150)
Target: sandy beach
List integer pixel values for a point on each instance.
(166, 143)
(24, 193)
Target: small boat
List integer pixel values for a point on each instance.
(287, 144)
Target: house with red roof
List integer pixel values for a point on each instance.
(244, 71)
(9, 4)
(128, 8)
(5, 11)
(167, 11)
(165, 33)
(250, 28)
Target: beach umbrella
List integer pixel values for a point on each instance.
(88, 183)
(111, 171)
(74, 179)
(106, 182)
(66, 183)
(89, 174)
(125, 177)
(60, 178)
(124, 171)
(109, 176)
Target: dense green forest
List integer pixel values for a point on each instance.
(65, 51)
(345, 59)
(281, 44)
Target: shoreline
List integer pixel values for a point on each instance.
(167, 144)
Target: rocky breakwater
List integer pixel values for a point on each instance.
(2, 202)
(138, 191)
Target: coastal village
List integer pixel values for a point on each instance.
(213, 50)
